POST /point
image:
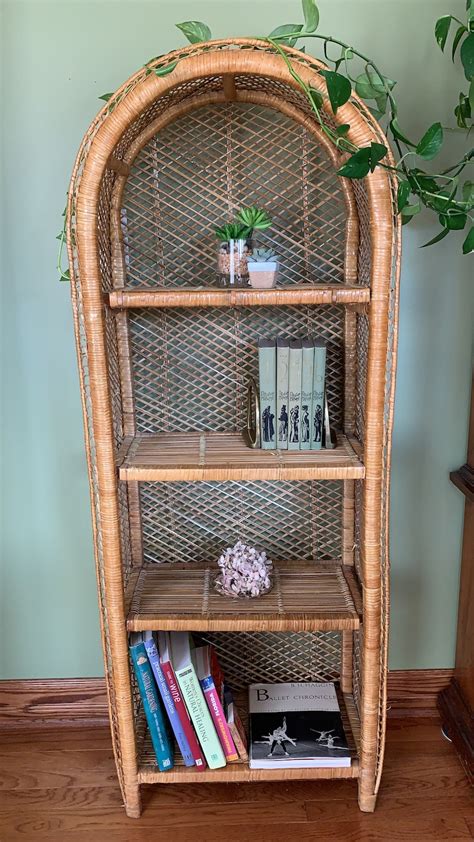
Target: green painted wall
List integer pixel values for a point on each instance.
(57, 57)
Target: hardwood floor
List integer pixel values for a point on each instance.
(60, 786)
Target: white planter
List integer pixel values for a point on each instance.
(262, 275)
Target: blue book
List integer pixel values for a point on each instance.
(169, 705)
(151, 703)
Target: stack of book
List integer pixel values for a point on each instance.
(292, 376)
(184, 696)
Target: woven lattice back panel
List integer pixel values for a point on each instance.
(202, 168)
(187, 522)
(249, 657)
(191, 366)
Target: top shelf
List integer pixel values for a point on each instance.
(238, 296)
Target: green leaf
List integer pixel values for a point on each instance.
(419, 180)
(453, 221)
(339, 88)
(358, 165)
(411, 210)
(459, 33)
(431, 142)
(311, 15)
(467, 56)
(316, 97)
(370, 85)
(377, 152)
(342, 130)
(463, 111)
(442, 234)
(163, 71)
(382, 103)
(195, 31)
(106, 97)
(404, 190)
(397, 133)
(442, 29)
(65, 276)
(281, 33)
(468, 191)
(468, 244)
(471, 96)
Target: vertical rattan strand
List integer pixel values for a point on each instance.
(347, 647)
(106, 477)
(125, 368)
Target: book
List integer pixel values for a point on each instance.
(235, 724)
(168, 703)
(306, 393)
(296, 726)
(181, 710)
(151, 703)
(203, 662)
(267, 387)
(294, 393)
(194, 699)
(282, 359)
(317, 403)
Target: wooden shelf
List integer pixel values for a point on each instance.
(306, 597)
(148, 772)
(190, 457)
(244, 297)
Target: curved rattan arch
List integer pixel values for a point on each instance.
(109, 147)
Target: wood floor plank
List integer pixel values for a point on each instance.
(63, 788)
(366, 829)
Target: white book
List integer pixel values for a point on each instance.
(296, 726)
(283, 355)
(317, 411)
(306, 393)
(294, 394)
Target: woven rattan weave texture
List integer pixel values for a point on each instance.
(165, 160)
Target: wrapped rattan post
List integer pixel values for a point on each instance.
(157, 342)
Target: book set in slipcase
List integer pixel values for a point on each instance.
(293, 405)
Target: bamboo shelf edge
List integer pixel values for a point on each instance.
(241, 773)
(194, 457)
(219, 297)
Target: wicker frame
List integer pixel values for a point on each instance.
(361, 307)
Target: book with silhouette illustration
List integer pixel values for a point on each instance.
(296, 726)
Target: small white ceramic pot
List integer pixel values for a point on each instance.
(262, 275)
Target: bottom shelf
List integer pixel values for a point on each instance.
(148, 773)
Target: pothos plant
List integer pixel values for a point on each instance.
(449, 193)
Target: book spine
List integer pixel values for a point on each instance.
(213, 702)
(267, 387)
(183, 715)
(282, 355)
(152, 708)
(294, 395)
(200, 717)
(168, 702)
(306, 393)
(317, 412)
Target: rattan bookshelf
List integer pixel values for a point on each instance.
(165, 356)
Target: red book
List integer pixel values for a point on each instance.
(205, 660)
(170, 678)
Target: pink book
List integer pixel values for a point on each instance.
(203, 658)
(170, 678)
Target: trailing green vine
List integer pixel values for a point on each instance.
(444, 192)
(440, 192)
